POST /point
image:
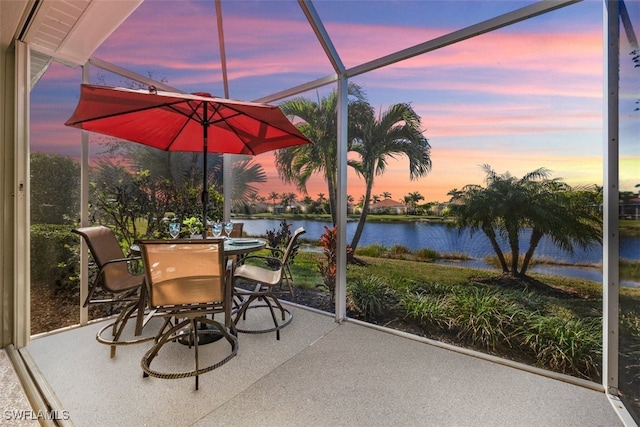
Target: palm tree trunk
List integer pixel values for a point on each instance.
(361, 221)
(536, 236)
(332, 200)
(496, 248)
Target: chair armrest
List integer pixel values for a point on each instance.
(117, 261)
(265, 259)
(131, 258)
(275, 250)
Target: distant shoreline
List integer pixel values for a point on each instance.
(628, 227)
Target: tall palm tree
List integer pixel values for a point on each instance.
(319, 124)
(386, 195)
(396, 132)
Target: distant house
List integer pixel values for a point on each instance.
(388, 206)
(630, 209)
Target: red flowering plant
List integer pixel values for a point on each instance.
(328, 268)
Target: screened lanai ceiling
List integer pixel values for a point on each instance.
(312, 40)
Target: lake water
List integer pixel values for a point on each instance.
(439, 237)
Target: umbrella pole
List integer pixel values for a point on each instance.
(205, 186)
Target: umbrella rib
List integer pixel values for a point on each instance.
(235, 131)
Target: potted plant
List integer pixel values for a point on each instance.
(194, 225)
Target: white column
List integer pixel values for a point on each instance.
(21, 184)
(611, 240)
(341, 267)
(84, 214)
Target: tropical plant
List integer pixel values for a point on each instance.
(164, 181)
(565, 345)
(194, 225)
(368, 296)
(396, 132)
(508, 206)
(319, 124)
(328, 267)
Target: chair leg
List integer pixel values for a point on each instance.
(194, 326)
(140, 321)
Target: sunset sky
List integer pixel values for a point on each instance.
(520, 98)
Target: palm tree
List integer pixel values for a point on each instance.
(386, 195)
(396, 132)
(244, 174)
(508, 206)
(298, 164)
(412, 199)
(273, 196)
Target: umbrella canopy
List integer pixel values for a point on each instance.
(184, 122)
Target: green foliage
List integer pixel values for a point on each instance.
(565, 345)
(194, 225)
(374, 250)
(427, 254)
(368, 296)
(54, 255)
(399, 250)
(483, 318)
(429, 310)
(55, 189)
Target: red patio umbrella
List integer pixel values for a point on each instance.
(184, 122)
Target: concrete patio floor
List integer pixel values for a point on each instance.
(320, 373)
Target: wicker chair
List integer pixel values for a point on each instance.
(114, 285)
(187, 281)
(268, 284)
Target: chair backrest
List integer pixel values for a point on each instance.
(237, 229)
(104, 248)
(292, 246)
(180, 272)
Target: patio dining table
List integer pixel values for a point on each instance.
(232, 246)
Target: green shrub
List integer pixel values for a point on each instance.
(399, 250)
(429, 310)
(54, 254)
(375, 250)
(484, 318)
(435, 288)
(427, 254)
(368, 296)
(571, 346)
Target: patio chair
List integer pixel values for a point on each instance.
(187, 281)
(115, 285)
(268, 284)
(237, 229)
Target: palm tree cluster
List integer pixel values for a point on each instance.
(376, 139)
(508, 206)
